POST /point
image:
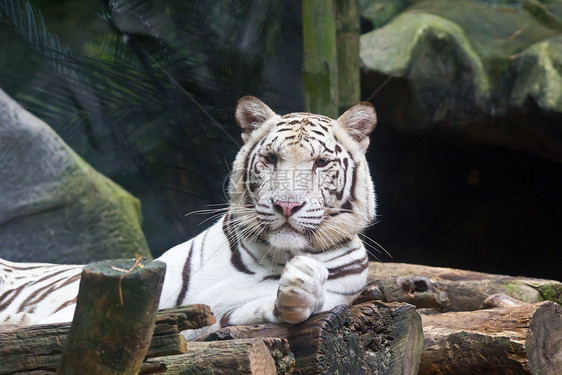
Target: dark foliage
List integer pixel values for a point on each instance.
(152, 104)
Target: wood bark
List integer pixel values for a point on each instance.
(347, 42)
(501, 300)
(419, 291)
(345, 341)
(245, 356)
(391, 336)
(320, 65)
(30, 348)
(467, 290)
(114, 318)
(517, 340)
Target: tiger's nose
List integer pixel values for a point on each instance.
(287, 208)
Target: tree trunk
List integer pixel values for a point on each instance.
(114, 318)
(347, 41)
(345, 341)
(467, 290)
(517, 340)
(245, 356)
(320, 66)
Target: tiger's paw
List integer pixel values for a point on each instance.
(301, 289)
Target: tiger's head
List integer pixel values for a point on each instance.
(301, 181)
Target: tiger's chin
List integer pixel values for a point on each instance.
(288, 239)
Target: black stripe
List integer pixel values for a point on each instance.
(271, 277)
(353, 182)
(225, 319)
(9, 300)
(353, 268)
(312, 251)
(318, 132)
(347, 207)
(252, 185)
(30, 304)
(246, 170)
(186, 275)
(203, 247)
(347, 252)
(248, 252)
(236, 257)
(66, 304)
(49, 276)
(339, 194)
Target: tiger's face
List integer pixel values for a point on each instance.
(301, 181)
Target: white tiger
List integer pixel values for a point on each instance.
(287, 247)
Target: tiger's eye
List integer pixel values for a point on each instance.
(271, 158)
(321, 162)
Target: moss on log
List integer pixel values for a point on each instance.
(467, 290)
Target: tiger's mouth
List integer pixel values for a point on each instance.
(287, 226)
(287, 237)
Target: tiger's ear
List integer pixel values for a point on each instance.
(250, 114)
(359, 121)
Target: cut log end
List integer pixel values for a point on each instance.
(114, 319)
(544, 342)
(522, 339)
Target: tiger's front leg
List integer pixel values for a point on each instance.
(301, 290)
(299, 293)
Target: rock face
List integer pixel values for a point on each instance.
(487, 69)
(54, 207)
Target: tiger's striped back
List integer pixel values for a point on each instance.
(31, 292)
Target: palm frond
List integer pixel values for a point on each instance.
(156, 93)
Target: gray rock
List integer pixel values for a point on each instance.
(539, 76)
(54, 207)
(485, 69)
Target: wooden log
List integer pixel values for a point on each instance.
(517, 340)
(245, 356)
(178, 319)
(501, 300)
(29, 348)
(281, 352)
(391, 336)
(323, 343)
(467, 290)
(167, 339)
(114, 318)
(419, 291)
(344, 341)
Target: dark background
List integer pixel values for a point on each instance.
(443, 199)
